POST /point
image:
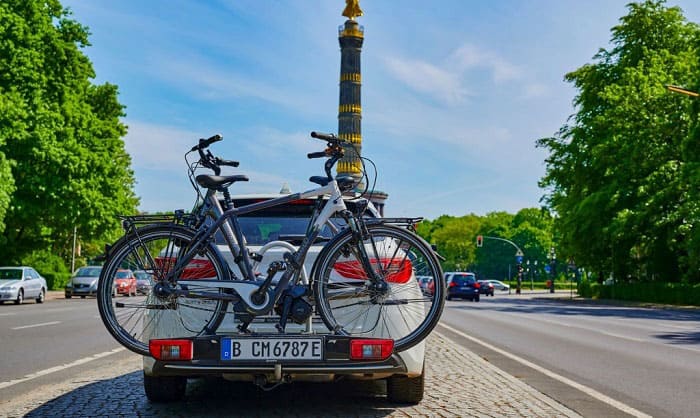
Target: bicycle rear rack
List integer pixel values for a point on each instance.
(179, 217)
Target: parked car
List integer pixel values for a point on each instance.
(84, 282)
(272, 232)
(144, 282)
(499, 285)
(424, 282)
(125, 283)
(462, 285)
(20, 283)
(486, 287)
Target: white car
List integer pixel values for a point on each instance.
(499, 285)
(272, 232)
(20, 283)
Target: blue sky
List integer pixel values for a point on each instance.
(455, 93)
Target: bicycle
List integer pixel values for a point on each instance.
(363, 282)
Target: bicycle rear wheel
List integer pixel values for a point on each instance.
(157, 311)
(351, 304)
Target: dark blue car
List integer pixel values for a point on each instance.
(462, 285)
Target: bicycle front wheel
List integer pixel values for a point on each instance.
(350, 303)
(158, 310)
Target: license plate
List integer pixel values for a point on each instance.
(271, 349)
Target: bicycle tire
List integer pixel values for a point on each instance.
(154, 249)
(349, 304)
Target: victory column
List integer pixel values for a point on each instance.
(350, 37)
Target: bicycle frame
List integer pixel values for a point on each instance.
(227, 221)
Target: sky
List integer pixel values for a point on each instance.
(455, 93)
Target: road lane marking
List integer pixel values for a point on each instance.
(585, 389)
(37, 325)
(43, 324)
(8, 313)
(55, 369)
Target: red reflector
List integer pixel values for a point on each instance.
(371, 349)
(398, 271)
(170, 349)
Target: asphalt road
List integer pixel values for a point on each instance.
(49, 336)
(646, 358)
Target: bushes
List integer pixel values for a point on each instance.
(49, 265)
(652, 292)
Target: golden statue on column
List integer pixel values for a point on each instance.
(352, 9)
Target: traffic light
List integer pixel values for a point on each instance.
(479, 240)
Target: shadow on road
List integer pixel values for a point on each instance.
(602, 309)
(124, 396)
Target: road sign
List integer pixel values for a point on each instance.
(519, 259)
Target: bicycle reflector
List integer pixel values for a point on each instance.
(170, 349)
(371, 349)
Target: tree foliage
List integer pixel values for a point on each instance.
(530, 229)
(615, 170)
(62, 160)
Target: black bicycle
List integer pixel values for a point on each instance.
(363, 282)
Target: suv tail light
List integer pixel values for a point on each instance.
(477, 285)
(196, 269)
(371, 349)
(170, 349)
(453, 284)
(398, 271)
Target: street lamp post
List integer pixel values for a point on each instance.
(552, 267)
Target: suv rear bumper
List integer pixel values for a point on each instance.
(336, 362)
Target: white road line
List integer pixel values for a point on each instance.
(8, 313)
(37, 325)
(585, 389)
(59, 368)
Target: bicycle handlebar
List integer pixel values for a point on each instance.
(229, 163)
(204, 143)
(325, 137)
(316, 154)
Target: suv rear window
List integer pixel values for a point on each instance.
(463, 279)
(288, 221)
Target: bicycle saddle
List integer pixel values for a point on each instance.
(345, 182)
(214, 182)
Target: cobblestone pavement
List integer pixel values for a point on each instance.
(458, 383)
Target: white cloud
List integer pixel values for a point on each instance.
(446, 83)
(427, 78)
(468, 56)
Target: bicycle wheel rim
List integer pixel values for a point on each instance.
(348, 303)
(133, 322)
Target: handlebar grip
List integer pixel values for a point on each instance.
(229, 163)
(325, 137)
(204, 143)
(316, 154)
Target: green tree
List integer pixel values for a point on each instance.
(614, 172)
(62, 140)
(454, 238)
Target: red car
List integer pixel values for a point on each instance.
(125, 283)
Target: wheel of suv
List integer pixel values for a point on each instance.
(164, 388)
(20, 297)
(476, 298)
(404, 389)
